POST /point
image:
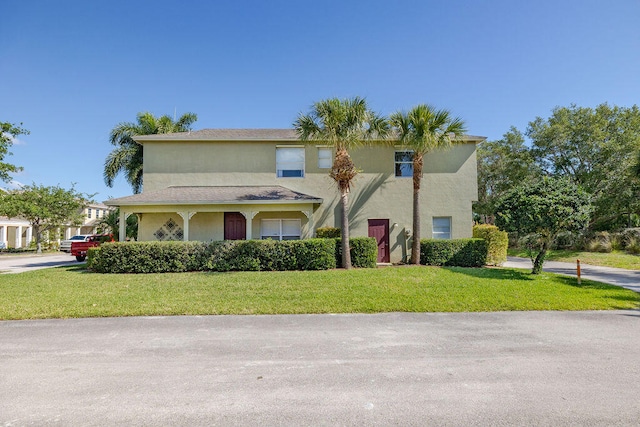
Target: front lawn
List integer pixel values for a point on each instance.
(618, 259)
(73, 292)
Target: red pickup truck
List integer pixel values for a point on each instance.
(79, 249)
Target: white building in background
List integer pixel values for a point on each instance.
(18, 233)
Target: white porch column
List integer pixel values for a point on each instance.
(29, 236)
(3, 236)
(67, 233)
(186, 217)
(78, 230)
(248, 216)
(19, 236)
(123, 225)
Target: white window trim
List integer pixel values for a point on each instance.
(281, 234)
(395, 162)
(325, 147)
(303, 161)
(439, 234)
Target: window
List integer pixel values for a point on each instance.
(290, 162)
(280, 229)
(325, 160)
(89, 213)
(97, 213)
(442, 227)
(404, 163)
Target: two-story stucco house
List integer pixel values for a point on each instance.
(217, 184)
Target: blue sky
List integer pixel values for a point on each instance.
(71, 70)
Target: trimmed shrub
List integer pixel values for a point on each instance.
(455, 252)
(328, 233)
(239, 255)
(364, 252)
(148, 257)
(497, 242)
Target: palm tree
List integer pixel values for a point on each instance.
(422, 130)
(127, 156)
(343, 124)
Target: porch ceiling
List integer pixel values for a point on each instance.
(197, 195)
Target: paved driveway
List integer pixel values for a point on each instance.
(510, 368)
(629, 279)
(21, 263)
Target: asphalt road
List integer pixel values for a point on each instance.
(510, 368)
(22, 263)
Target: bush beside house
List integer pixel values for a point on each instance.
(497, 242)
(456, 252)
(238, 255)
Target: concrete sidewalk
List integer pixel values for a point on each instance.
(629, 279)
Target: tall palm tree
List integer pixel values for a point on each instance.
(343, 124)
(422, 130)
(127, 156)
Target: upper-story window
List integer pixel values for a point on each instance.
(404, 163)
(89, 213)
(325, 157)
(290, 162)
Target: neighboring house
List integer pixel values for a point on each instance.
(217, 184)
(18, 233)
(93, 214)
(15, 233)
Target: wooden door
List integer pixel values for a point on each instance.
(235, 226)
(379, 228)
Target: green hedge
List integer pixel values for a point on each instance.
(497, 241)
(364, 252)
(456, 252)
(328, 233)
(239, 255)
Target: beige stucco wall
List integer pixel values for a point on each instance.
(448, 188)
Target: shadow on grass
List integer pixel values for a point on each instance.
(493, 273)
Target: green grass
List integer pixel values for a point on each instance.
(618, 259)
(72, 292)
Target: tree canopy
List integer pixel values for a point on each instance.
(544, 208)
(127, 157)
(596, 148)
(45, 208)
(8, 132)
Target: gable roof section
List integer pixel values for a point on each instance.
(213, 195)
(283, 135)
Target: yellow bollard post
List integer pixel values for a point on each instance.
(578, 270)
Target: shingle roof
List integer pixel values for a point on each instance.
(196, 195)
(240, 135)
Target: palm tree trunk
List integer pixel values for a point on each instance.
(417, 178)
(346, 250)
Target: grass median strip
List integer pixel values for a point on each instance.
(617, 259)
(73, 292)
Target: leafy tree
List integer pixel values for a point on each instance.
(422, 130)
(8, 132)
(127, 156)
(344, 124)
(46, 208)
(594, 148)
(544, 208)
(502, 165)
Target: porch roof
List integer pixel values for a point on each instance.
(213, 195)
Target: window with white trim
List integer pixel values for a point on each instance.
(442, 227)
(404, 163)
(325, 158)
(89, 213)
(290, 162)
(280, 229)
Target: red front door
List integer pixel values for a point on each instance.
(235, 226)
(379, 228)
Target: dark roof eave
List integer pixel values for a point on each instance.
(208, 202)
